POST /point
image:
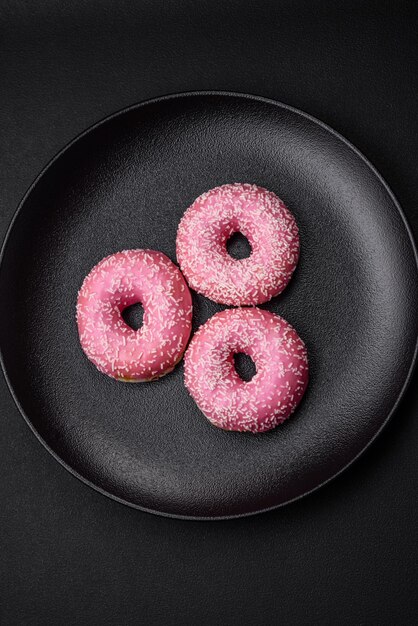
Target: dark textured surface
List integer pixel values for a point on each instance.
(346, 554)
(353, 300)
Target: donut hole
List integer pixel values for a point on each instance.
(133, 315)
(244, 366)
(238, 246)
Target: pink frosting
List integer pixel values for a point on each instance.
(274, 391)
(269, 227)
(118, 281)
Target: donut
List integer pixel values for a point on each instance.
(118, 281)
(281, 377)
(270, 229)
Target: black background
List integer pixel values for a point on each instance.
(346, 554)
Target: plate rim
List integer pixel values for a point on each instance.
(187, 94)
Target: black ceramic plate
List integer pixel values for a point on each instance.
(125, 184)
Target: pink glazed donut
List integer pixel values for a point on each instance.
(270, 229)
(118, 281)
(274, 391)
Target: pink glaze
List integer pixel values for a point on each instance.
(118, 281)
(269, 227)
(274, 391)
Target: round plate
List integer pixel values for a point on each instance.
(125, 183)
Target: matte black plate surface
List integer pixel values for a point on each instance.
(125, 184)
